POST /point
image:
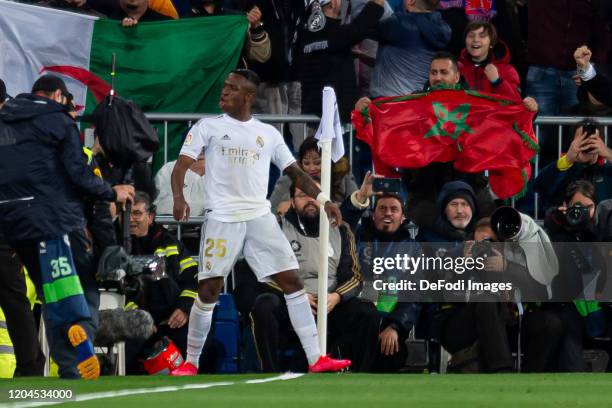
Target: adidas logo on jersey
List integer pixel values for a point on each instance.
(226, 137)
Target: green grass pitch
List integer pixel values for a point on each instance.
(333, 390)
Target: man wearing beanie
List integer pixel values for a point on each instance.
(456, 211)
(474, 333)
(43, 177)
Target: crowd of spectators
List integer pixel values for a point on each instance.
(549, 55)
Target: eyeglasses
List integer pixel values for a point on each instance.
(138, 214)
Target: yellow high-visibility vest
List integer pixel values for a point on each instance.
(8, 363)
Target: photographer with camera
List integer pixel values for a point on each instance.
(540, 329)
(168, 298)
(588, 158)
(573, 222)
(573, 225)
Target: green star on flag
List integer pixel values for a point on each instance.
(456, 117)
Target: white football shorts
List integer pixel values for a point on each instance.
(260, 240)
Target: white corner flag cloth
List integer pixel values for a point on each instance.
(330, 127)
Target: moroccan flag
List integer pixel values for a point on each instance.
(167, 66)
(475, 131)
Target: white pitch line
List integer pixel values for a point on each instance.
(286, 376)
(136, 391)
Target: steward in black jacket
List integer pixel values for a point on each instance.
(43, 171)
(43, 179)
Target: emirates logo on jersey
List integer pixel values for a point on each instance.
(240, 156)
(259, 141)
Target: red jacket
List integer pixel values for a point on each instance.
(474, 75)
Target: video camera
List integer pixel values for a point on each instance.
(125, 274)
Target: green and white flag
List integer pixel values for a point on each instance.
(167, 66)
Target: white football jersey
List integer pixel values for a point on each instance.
(238, 156)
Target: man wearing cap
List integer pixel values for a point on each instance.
(43, 177)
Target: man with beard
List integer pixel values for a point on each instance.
(352, 323)
(384, 234)
(475, 332)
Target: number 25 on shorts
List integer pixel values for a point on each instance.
(215, 247)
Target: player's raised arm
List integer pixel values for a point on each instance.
(181, 207)
(305, 183)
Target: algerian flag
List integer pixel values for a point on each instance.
(330, 126)
(166, 66)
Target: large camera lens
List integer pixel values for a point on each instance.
(506, 222)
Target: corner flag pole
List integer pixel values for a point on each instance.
(323, 246)
(329, 135)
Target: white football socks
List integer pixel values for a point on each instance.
(200, 319)
(303, 323)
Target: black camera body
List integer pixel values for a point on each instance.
(482, 249)
(577, 217)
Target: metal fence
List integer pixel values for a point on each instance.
(545, 126)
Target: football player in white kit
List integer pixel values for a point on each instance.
(238, 150)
